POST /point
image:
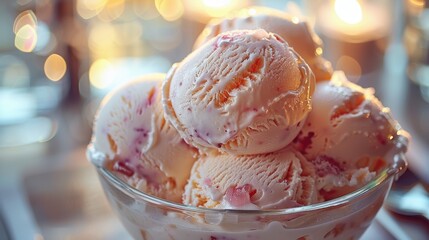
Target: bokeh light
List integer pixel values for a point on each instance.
(26, 39)
(418, 3)
(107, 73)
(102, 38)
(145, 9)
(46, 49)
(100, 73)
(87, 9)
(350, 66)
(251, 11)
(45, 40)
(25, 29)
(295, 20)
(204, 10)
(55, 67)
(130, 32)
(216, 3)
(112, 10)
(15, 72)
(349, 11)
(217, 8)
(170, 10)
(319, 51)
(26, 17)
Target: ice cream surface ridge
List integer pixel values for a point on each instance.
(132, 137)
(296, 31)
(248, 85)
(347, 130)
(282, 179)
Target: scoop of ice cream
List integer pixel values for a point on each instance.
(282, 179)
(347, 135)
(135, 141)
(244, 92)
(297, 32)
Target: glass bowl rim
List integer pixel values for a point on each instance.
(394, 170)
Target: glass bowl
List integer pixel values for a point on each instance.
(347, 217)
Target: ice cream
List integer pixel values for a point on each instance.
(266, 138)
(243, 92)
(296, 31)
(132, 139)
(282, 179)
(347, 134)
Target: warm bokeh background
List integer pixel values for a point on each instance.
(58, 58)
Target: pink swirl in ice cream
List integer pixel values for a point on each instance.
(347, 134)
(282, 179)
(296, 31)
(134, 140)
(243, 92)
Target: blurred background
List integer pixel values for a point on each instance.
(58, 58)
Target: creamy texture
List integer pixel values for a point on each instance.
(294, 30)
(282, 179)
(243, 98)
(347, 130)
(132, 138)
(243, 92)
